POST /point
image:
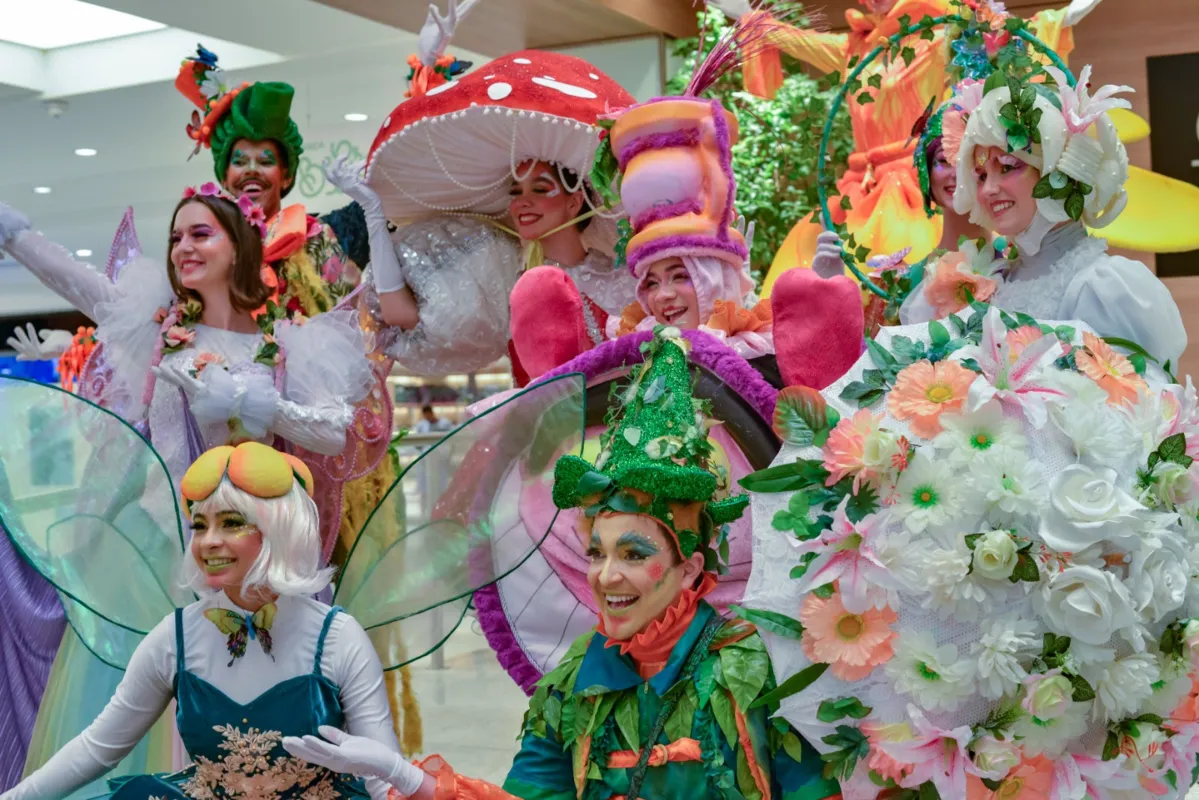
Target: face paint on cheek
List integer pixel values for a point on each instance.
(656, 571)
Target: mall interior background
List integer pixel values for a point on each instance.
(89, 128)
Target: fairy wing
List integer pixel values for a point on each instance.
(125, 247)
(446, 527)
(90, 505)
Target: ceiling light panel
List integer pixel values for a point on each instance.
(50, 24)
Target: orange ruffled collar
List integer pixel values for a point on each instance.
(651, 647)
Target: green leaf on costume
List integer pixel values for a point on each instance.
(628, 720)
(1083, 691)
(745, 672)
(679, 723)
(834, 710)
(1074, 206)
(864, 97)
(553, 712)
(705, 681)
(799, 474)
(722, 710)
(770, 621)
(875, 80)
(1025, 570)
(793, 747)
(593, 772)
(908, 55)
(1042, 189)
(745, 778)
(593, 482)
(851, 745)
(938, 334)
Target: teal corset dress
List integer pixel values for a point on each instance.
(236, 748)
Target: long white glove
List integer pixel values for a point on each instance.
(217, 397)
(43, 345)
(384, 265)
(12, 222)
(341, 752)
(746, 228)
(827, 261)
(1078, 10)
(438, 29)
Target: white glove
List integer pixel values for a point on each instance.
(827, 261)
(12, 222)
(746, 229)
(437, 31)
(43, 345)
(385, 266)
(1077, 11)
(357, 755)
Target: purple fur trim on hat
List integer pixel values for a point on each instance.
(683, 240)
(726, 166)
(498, 630)
(667, 211)
(656, 141)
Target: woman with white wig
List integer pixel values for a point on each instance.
(1039, 164)
(254, 660)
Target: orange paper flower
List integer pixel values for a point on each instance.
(732, 318)
(923, 391)
(852, 644)
(845, 450)
(1113, 372)
(955, 285)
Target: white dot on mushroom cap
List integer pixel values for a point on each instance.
(593, 76)
(441, 88)
(565, 88)
(498, 91)
(387, 122)
(488, 77)
(521, 61)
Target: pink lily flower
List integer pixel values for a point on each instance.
(1180, 750)
(1080, 108)
(935, 755)
(1079, 777)
(846, 554)
(1012, 380)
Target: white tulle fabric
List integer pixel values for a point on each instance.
(714, 279)
(1073, 277)
(461, 271)
(775, 554)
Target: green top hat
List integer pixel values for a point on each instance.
(260, 112)
(655, 444)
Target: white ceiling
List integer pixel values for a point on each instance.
(121, 102)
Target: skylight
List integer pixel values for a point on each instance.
(48, 24)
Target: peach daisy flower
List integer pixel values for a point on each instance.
(957, 281)
(1032, 779)
(1113, 372)
(853, 644)
(923, 391)
(953, 128)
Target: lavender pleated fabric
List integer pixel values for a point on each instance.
(31, 628)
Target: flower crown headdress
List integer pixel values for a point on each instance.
(248, 208)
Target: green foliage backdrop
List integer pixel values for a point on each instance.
(774, 159)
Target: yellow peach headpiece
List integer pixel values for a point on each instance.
(252, 467)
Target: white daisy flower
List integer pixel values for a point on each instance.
(999, 653)
(1098, 433)
(929, 673)
(967, 437)
(1007, 486)
(926, 495)
(951, 591)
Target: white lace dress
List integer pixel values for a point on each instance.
(1073, 277)
(308, 402)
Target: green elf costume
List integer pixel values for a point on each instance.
(684, 707)
(310, 270)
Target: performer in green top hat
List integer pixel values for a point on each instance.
(664, 698)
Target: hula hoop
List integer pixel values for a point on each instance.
(821, 191)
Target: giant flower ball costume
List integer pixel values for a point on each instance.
(973, 562)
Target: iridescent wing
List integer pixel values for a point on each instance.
(125, 247)
(90, 505)
(445, 528)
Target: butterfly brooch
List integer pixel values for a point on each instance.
(241, 627)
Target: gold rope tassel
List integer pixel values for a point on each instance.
(405, 713)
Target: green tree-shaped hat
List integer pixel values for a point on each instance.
(259, 112)
(655, 453)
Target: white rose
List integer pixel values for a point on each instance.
(878, 449)
(994, 758)
(995, 555)
(1047, 696)
(1157, 579)
(1086, 604)
(1086, 507)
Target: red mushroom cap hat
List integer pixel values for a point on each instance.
(456, 147)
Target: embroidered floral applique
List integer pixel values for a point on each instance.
(252, 771)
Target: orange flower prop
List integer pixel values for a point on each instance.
(953, 287)
(1019, 339)
(1113, 372)
(923, 391)
(852, 644)
(845, 450)
(71, 362)
(1030, 780)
